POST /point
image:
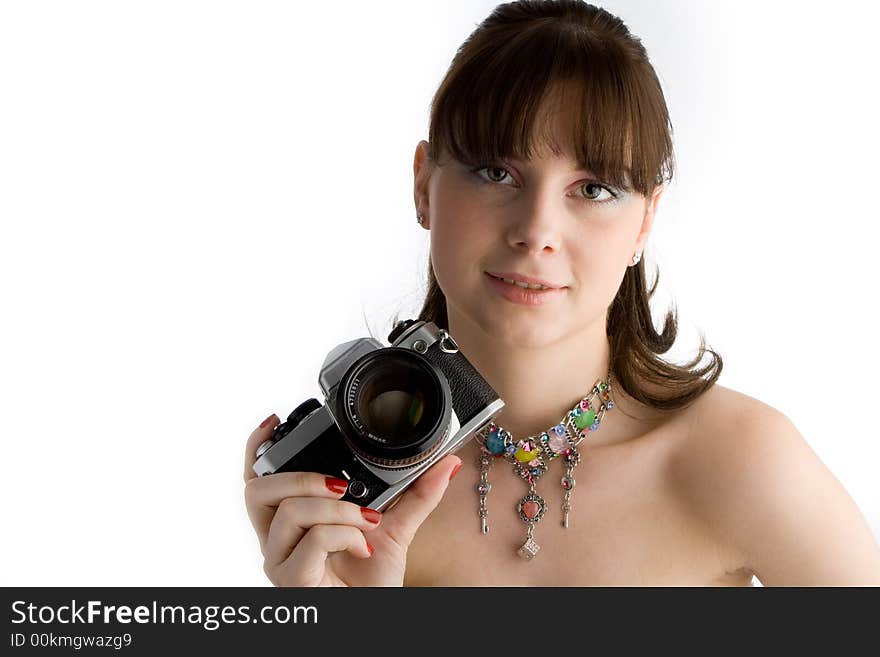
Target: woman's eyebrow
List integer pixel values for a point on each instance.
(578, 167)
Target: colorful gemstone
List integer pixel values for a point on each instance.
(558, 443)
(594, 426)
(585, 420)
(527, 451)
(559, 429)
(495, 442)
(510, 449)
(523, 456)
(584, 404)
(484, 488)
(610, 404)
(567, 483)
(576, 411)
(535, 472)
(531, 509)
(534, 463)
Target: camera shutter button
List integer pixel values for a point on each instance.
(357, 489)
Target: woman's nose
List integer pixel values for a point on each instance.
(536, 222)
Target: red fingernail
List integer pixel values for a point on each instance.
(265, 422)
(336, 485)
(370, 548)
(454, 471)
(371, 514)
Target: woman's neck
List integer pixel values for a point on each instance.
(539, 384)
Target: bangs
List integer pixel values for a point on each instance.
(499, 102)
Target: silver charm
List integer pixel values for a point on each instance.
(529, 549)
(483, 489)
(567, 484)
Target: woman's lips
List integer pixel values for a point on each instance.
(522, 278)
(517, 294)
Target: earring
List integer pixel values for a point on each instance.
(419, 218)
(636, 257)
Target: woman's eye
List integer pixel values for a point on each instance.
(492, 170)
(598, 190)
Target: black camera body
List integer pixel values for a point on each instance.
(389, 414)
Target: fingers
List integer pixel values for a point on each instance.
(262, 495)
(298, 515)
(308, 559)
(403, 520)
(259, 435)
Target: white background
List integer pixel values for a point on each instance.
(200, 199)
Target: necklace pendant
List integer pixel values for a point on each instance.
(531, 508)
(529, 549)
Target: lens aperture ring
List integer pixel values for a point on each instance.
(397, 464)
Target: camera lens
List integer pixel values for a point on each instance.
(391, 413)
(396, 409)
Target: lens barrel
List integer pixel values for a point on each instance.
(393, 407)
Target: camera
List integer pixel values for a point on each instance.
(389, 414)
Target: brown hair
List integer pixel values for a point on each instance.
(485, 110)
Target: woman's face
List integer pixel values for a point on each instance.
(541, 218)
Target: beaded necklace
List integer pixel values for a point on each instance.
(530, 458)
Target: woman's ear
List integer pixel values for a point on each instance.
(422, 169)
(651, 204)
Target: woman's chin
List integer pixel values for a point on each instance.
(521, 332)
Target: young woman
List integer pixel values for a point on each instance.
(549, 150)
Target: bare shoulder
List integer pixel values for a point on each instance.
(776, 510)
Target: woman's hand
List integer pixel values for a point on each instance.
(309, 537)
